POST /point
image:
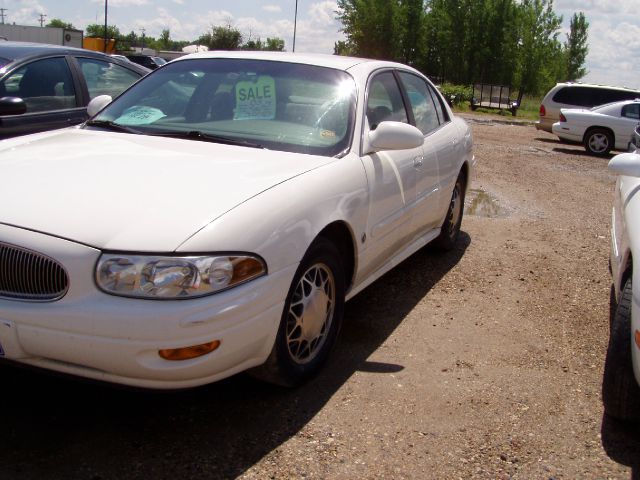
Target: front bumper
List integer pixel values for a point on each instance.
(116, 339)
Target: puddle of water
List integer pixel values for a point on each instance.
(483, 204)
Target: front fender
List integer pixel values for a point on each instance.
(280, 223)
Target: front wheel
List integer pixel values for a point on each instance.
(311, 318)
(620, 391)
(450, 230)
(598, 142)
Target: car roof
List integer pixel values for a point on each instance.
(322, 60)
(593, 85)
(18, 50)
(619, 103)
(15, 51)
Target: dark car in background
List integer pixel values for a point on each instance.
(44, 87)
(147, 61)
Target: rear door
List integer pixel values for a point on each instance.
(50, 93)
(437, 172)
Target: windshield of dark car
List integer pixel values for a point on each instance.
(278, 105)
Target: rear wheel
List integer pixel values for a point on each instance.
(598, 141)
(311, 318)
(450, 230)
(620, 391)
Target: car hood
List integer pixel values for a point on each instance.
(119, 191)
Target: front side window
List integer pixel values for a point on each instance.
(384, 101)
(44, 85)
(106, 78)
(422, 105)
(274, 105)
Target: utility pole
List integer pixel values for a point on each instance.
(142, 30)
(2, 10)
(42, 17)
(295, 24)
(106, 35)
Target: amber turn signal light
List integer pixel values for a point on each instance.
(186, 353)
(637, 336)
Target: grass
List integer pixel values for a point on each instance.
(529, 109)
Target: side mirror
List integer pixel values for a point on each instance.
(625, 164)
(12, 106)
(395, 136)
(98, 104)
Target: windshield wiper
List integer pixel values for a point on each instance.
(207, 137)
(109, 125)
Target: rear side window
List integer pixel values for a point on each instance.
(106, 78)
(583, 96)
(424, 110)
(631, 111)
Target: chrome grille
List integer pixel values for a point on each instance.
(28, 275)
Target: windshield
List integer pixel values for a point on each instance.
(276, 105)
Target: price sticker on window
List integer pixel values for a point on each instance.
(140, 115)
(256, 99)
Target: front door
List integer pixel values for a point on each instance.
(391, 176)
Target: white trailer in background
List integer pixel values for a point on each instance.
(50, 35)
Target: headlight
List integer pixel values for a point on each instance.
(174, 277)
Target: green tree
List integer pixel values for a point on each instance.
(576, 47)
(274, 44)
(342, 47)
(221, 38)
(372, 27)
(165, 39)
(540, 52)
(57, 23)
(97, 31)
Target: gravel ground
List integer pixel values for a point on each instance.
(485, 362)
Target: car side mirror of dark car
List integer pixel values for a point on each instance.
(12, 106)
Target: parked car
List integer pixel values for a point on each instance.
(148, 61)
(600, 129)
(43, 87)
(621, 381)
(190, 231)
(578, 95)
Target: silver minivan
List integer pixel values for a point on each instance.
(578, 95)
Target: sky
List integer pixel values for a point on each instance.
(614, 33)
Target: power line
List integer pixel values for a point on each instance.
(2, 10)
(42, 17)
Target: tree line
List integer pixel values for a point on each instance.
(508, 42)
(217, 38)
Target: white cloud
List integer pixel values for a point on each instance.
(613, 39)
(323, 13)
(272, 8)
(123, 3)
(179, 2)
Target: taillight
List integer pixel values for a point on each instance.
(563, 118)
(543, 111)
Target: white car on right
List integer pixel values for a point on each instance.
(600, 129)
(621, 380)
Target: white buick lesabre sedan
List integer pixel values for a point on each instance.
(216, 216)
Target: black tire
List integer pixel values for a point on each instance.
(598, 141)
(450, 230)
(620, 391)
(294, 358)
